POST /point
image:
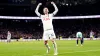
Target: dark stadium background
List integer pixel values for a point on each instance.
(66, 7)
(64, 28)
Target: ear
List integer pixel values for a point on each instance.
(48, 10)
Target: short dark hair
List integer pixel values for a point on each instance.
(45, 7)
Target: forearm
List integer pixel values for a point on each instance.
(37, 10)
(56, 9)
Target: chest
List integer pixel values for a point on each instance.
(46, 18)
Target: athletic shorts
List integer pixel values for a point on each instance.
(91, 36)
(8, 38)
(49, 34)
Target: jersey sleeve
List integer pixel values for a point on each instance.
(51, 15)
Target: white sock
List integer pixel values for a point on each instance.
(47, 45)
(55, 47)
(47, 48)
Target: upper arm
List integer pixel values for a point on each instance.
(55, 12)
(37, 13)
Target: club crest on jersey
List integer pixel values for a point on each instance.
(45, 19)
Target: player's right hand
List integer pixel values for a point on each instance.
(40, 3)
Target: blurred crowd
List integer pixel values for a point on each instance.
(17, 34)
(33, 29)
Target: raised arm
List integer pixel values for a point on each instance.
(37, 8)
(56, 9)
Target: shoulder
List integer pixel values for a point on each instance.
(51, 14)
(78, 32)
(41, 16)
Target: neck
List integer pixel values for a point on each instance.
(46, 14)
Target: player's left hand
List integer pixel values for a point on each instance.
(52, 2)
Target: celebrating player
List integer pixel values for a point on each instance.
(79, 37)
(8, 36)
(48, 27)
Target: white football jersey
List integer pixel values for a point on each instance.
(9, 35)
(91, 33)
(79, 34)
(47, 21)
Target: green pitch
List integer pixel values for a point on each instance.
(37, 48)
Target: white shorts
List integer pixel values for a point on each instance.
(49, 34)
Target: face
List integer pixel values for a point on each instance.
(45, 10)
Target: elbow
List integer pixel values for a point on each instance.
(35, 11)
(57, 10)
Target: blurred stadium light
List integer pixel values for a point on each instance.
(44, 1)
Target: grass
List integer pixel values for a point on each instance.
(37, 48)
